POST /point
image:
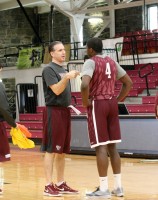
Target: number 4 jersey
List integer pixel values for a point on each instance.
(104, 72)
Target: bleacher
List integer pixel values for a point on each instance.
(142, 41)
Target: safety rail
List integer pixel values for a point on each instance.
(145, 75)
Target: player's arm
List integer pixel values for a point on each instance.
(7, 117)
(126, 87)
(126, 82)
(4, 107)
(87, 73)
(85, 90)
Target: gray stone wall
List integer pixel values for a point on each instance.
(128, 20)
(60, 27)
(16, 30)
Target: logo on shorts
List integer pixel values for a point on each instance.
(58, 147)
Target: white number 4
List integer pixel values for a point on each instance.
(108, 70)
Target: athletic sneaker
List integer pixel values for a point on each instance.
(118, 192)
(1, 191)
(98, 193)
(51, 190)
(64, 188)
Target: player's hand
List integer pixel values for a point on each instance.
(73, 74)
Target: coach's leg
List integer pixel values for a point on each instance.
(48, 166)
(60, 166)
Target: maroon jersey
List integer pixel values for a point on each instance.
(102, 84)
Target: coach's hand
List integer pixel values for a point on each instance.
(72, 74)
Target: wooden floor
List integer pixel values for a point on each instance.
(24, 177)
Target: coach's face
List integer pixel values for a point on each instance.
(58, 54)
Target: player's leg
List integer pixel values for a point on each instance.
(116, 167)
(102, 160)
(114, 158)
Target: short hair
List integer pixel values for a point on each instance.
(96, 44)
(51, 46)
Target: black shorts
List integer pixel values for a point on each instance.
(56, 130)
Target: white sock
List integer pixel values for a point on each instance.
(117, 181)
(103, 183)
(59, 183)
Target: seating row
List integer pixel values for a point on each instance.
(135, 33)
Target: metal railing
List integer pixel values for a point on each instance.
(145, 75)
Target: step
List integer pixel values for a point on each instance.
(155, 66)
(140, 108)
(132, 73)
(31, 125)
(136, 79)
(40, 109)
(148, 99)
(152, 92)
(79, 107)
(132, 93)
(133, 100)
(31, 117)
(138, 85)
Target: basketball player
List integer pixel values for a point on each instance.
(5, 115)
(97, 88)
(56, 120)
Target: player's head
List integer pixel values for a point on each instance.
(94, 46)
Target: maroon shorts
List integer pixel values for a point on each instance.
(103, 122)
(4, 144)
(56, 130)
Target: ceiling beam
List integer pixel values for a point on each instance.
(44, 7)
(116, 7)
